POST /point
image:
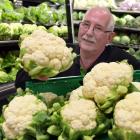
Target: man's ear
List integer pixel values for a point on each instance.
(111, 36)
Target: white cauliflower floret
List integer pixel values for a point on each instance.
(107, 83)
(101, 94)
(55, 64)
(19, 113)
(113, 73)
(80, 114)
(127, 112)
(39, 57)
(48, 54)
(107, 74)
(89, 87)
(76, 94)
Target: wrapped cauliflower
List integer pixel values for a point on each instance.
(107, 83)
(127, 118)
(24, 118)
(44, 54)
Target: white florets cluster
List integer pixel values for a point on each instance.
(18, 115)
(105, 76)
(46, 50)
(127, 112)
(80, 114)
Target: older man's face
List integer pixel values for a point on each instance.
(93, 34)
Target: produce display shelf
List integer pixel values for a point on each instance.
(125, 12)
(124, 46)
(76, 22)
(128, 29)
(7, 89)
(9, 45)
(79, 10)
(112, 11)
(34, 1)
(9, 41)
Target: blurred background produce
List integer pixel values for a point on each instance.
(8, 66)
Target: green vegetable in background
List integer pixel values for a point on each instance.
(54, 30)
(63, 32)
(134, 39)
(12, 16)
(6, 5)
(4, 77)
(61, 15)
(137, 54)
(129, 20)
(42, 28)
(137, 22)
(117, 39)
(80, 15)
(31, 14)
(44, 14)
(16, 30)
(58, 1)
(5, 32)
(1, 15)
(125, 39)
(28, 28)
(9, 65)
(121, 22)
(75, 15)
(131, 51)
(12, 74)
(9, 59)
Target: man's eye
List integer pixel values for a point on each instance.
(98, 28)
(85, 24)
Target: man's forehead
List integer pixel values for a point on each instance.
(97, 11)
(98, 15)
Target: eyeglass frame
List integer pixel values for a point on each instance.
(95, 29)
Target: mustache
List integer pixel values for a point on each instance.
(91, 40)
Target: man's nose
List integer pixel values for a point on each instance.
(90, 30)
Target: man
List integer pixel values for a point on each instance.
(95, 32)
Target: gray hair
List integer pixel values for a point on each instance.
(111, 23)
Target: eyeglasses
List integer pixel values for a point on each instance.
(96, 29)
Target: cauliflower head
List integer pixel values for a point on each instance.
(107, 82)
(19, 113)
(44, 54)
(127, 112)
(80, 114)
(82, 118)
(76, 94)
(127, 118)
